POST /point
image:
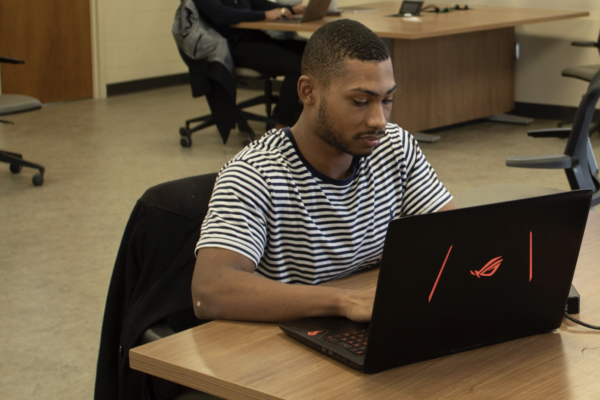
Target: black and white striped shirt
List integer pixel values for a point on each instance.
(300, 226)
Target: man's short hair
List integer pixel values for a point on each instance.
(336, 42)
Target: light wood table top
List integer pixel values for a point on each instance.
(427, 25)
(241, 360)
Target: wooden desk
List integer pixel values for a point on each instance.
(237, 360)
(451, 67)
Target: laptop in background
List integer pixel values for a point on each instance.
(315, 10)
(459, 280)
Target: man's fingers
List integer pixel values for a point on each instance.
(360, 307)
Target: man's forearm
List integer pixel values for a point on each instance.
(240, 295)
(225, 287)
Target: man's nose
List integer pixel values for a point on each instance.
(378, 117)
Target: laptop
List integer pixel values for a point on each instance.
(460, 280)
(315, 10)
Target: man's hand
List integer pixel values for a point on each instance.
(360, 305)
(277, 13)
(299, 9)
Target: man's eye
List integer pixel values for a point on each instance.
(388, 101)
(360, 103)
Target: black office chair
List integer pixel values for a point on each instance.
(213, 75)
(13, 104)
(244, 77)
(196, 205)
(150, 285)
(585, 73)
(578, 160)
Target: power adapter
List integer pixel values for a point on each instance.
(573, 301)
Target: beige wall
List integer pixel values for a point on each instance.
(134, 42)
(546, 50)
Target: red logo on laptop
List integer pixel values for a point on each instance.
(489, 269)
(440, 274)
(314, 333)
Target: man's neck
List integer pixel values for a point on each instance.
(325, 158)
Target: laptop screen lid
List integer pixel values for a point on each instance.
(315, 10)
(468, 278)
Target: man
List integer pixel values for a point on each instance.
(311, 203)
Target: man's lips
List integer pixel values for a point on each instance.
(371, 140)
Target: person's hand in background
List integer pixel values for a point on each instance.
(277, 13)
(299, 9)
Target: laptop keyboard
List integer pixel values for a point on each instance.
(356, 342)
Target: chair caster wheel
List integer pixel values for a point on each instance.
(185, 141)
(184, 132)
(37, 180)
(15, 169)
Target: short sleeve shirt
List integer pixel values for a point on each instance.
(300, 226)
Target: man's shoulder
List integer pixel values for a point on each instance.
(273, 151)
(273, 144)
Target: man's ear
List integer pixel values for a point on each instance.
(306, 90)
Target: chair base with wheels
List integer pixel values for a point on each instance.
(243, 75)
(17, 163)
(13, 104)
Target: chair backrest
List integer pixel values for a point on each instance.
(584, 174)
(151, 278)
(188, 196)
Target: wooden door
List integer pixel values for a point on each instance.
(53, 38)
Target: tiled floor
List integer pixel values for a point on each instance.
(58, 242)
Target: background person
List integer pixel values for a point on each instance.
(256, 50)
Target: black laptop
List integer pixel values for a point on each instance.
(315, 10)
(459, 280)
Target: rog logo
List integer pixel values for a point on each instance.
(488, 269)
(313, 333)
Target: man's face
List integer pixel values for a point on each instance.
(353, 111)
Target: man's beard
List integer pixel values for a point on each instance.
(334, 137)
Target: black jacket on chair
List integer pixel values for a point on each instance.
(213, 80)
(206, 54)
(151, 280)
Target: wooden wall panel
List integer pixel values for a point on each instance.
(451, 79)
(54, 39)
